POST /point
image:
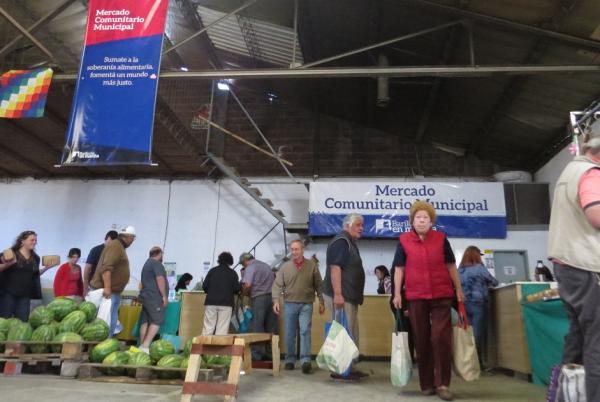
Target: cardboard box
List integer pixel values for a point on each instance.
(48, 260)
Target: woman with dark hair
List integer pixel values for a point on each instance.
(67, 281)
(476, 280)
(385, 281)
(183, 282)
(221, 284)
(21, 277)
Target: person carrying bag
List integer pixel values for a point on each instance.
(401, 362)
(464, 351)
(338, 350)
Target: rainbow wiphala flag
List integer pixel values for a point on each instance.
(23, 93)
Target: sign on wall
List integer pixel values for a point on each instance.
(113, 110)
(471, 209)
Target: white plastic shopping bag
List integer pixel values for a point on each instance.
(464, 350)
(571, 384)
(95, 296)
(401, 362)
(104, 310)
(338, 350)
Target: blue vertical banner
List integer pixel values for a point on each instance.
(113, 110)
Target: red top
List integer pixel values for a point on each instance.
(426, 274)
(67, 282)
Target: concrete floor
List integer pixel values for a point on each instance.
(261, 386)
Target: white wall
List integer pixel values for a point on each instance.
(204, 218)
(550, 171)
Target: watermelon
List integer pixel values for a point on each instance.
(41, 315)
(54, 326)
(11, 322)
(43, 333)
(103, 349)
(139, 359)
(116, 359)
(89, 309)
(61, 307)
(3, 325)
(20, 331)
(73, 322)
(161, 348)
(184, 362)
(216, 360)
(98, 321)
(2, 339)
(187, 348)
(65, 337)
(94, 332)
(172, 361)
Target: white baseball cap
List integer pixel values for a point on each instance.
(128, 230)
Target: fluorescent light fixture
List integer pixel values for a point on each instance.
(184, 68)
(223, 86)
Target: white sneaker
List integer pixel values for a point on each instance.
(143, 349)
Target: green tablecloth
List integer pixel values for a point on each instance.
(171, 324)
(546, 325)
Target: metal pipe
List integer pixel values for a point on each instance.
(210, 115)
(295, 34)
(29, 36)
(471, 43)
(261, 133)
(353, 72)
(206, 28)
(38, 24)
(588, 43)
(380, 44)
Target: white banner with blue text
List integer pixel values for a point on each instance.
(464, 209)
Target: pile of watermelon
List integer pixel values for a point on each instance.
(62, 320)
(162, 354)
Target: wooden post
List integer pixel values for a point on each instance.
(234, 369)
(276, 354)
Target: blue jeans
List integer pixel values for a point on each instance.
(297, 313)
(13, 306)
(477, 319)
(114, 311)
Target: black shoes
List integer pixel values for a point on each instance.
(289, 366)
(306, 368)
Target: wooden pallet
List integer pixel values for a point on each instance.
(143, 375)
(15, 358)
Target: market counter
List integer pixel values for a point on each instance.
(374, 316)
(507, 345)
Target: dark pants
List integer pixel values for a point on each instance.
(432, 328)
(13, 306)
(580, 291)
(263, 320)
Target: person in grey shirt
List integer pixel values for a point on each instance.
(257, 282)
(153, 296)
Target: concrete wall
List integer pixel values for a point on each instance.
(193, 220)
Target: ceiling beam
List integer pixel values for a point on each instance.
(29, 163)
(354, 72)
(29, 36)
(517, 26)
(481, 136)
(434, 91)
(38, 24)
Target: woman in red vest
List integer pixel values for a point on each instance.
(425, 264)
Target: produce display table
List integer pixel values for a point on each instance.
(129, 318)
(546, 325)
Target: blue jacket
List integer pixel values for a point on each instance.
(476, 280)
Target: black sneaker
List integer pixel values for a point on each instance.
(306, 368)
(289, 366)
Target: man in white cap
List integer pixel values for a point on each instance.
(574, 247)
(112, 272)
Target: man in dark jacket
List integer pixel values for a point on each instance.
(221, 284)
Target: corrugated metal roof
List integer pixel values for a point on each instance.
(274, 43)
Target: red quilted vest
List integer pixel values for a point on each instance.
(426, 274)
